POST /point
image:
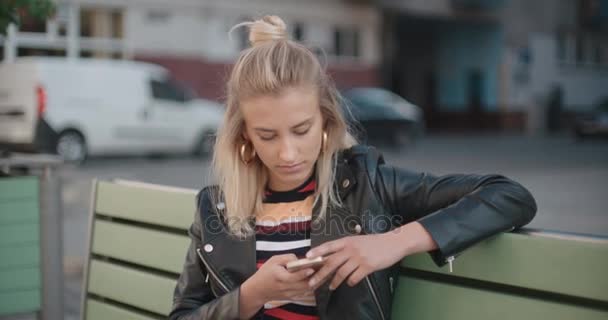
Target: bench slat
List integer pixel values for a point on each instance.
(19, 256)
(19, 212)
(16, 234)
(422, 300)
(18, 188)
(130, 286)
(155, 249)
(22, 278)
(102, 311)
(169, 208)
(536, 262)
(19, 301)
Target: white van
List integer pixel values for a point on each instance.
(78, 108)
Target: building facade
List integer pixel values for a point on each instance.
(470, 64)
(496, 64)
(191, 37)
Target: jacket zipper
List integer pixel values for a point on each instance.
(210, 285)
(369, 283)
(450, 260)
(375, 297)
(213, 274)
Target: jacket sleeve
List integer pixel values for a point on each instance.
(193, 298)
(457, 210)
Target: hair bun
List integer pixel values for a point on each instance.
(268, 28)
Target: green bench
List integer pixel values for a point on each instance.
(20, 270)
(524, 275)
(138, 240)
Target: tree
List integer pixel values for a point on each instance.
(13, 11)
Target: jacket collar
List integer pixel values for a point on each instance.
(345, 177)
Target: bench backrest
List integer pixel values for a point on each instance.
(525, 275)
(20, 272)
(138, 244)
(138, 241)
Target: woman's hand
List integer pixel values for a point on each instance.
(273, 282)
(353, 258)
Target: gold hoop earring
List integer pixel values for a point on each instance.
(324, 142)
(248, 160)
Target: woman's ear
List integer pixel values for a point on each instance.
(244, 135)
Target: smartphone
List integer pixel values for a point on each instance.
(304, 263)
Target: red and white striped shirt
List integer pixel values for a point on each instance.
(290, 234)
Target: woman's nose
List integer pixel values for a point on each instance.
(287, 152)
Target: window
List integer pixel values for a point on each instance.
(346, 42)
(580, 49)
(117, 24)
(242, 33)
(86, 22)
(158, 16)
(62, 17)
(596, 54)
(298, 31)
(170, 90)
(562, 46)
(243, 38)
(102, 23)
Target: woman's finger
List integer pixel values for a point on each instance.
(300, 275)
(332, 263)
(326, 248)
(356, 277)
(343, 272)
(283, 259)
(300, 286)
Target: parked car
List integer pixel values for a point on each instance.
(594, 124)
(381, 116)
(78, 108)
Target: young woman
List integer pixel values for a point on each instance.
(293, 183)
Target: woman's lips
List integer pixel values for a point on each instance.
(291, 168)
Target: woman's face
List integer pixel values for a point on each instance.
(286, 132)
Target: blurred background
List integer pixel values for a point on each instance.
(133, 89)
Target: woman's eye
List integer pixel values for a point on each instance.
(302, 132)
(266, 138)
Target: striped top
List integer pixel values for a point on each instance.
(290, 233)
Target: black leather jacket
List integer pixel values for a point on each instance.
(457, 210)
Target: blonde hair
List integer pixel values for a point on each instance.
(270, 65)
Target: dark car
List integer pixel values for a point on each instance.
(380, 116)
(594, 124)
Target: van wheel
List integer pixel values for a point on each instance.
(204, 145)
(71, 147)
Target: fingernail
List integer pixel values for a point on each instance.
(310, 272)
(331, 287)
(308, 254)
(312, 282)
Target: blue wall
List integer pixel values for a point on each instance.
(462, 48)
